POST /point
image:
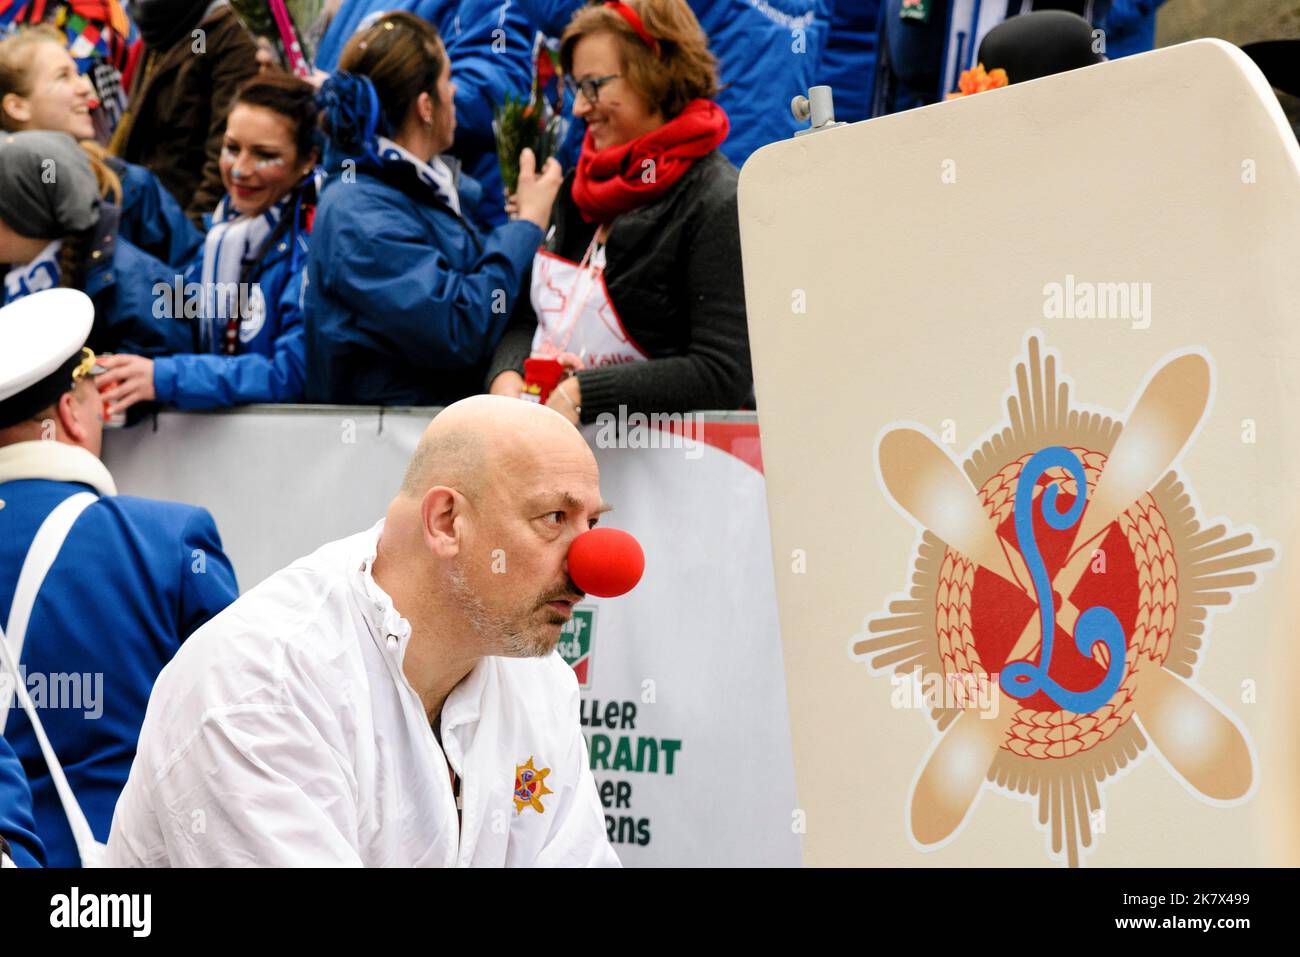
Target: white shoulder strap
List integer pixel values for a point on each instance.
(41, 554)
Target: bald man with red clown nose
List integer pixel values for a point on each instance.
(395, 698)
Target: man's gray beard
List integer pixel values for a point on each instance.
(501, 634)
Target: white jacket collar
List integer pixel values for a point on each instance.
(392, 634)
(55, 462)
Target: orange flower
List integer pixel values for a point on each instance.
(977, 81)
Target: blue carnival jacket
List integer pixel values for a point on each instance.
(1130, 27)
(133, 313)
(134, 579)
(490, 44)
(405, 300)
(16, 824)
(849, 60)
(272, 365)
(151, 219)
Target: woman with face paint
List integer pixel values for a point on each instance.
(251, 268)
(40, 89)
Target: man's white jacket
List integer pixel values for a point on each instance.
(285, 733)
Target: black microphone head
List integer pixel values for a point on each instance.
(1039, 44)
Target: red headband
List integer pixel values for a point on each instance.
(628, 14)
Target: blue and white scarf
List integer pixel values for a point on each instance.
(233, 241)
(41, 273)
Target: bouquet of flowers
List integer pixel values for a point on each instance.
(294, 27)
(534, 123)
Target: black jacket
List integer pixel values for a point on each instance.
(179, 102)
(673, 273)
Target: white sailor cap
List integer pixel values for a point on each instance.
(42, 350)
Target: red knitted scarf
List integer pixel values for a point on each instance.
(618, 178)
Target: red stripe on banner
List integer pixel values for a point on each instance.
(740, 439)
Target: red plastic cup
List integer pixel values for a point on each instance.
(541, 376)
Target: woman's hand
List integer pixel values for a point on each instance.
(508, 383)
(566, 399)
(536, 192)
(128, 380)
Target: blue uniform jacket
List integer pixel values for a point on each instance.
(490, 44)
(134, 579)
(406, 301)
(16, 824)
(272, 364)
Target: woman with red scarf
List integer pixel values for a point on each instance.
(636, 296)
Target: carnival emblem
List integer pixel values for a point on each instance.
(1067, 573)
(530, 786)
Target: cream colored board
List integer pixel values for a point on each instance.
(895, 271)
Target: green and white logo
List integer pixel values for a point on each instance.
(575, 643)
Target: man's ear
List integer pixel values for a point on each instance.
(440, 514)
(68, 420)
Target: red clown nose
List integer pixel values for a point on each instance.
(606, 562)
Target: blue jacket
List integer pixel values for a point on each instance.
(767, 53)
(16, 824)
(125, 283)
(849, 60)
(490, 43)
(152, 220)
(1130, 27)
(272, 364)
(406, 300)
(134, 579)
(130, 315)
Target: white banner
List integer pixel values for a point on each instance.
(684, 705)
